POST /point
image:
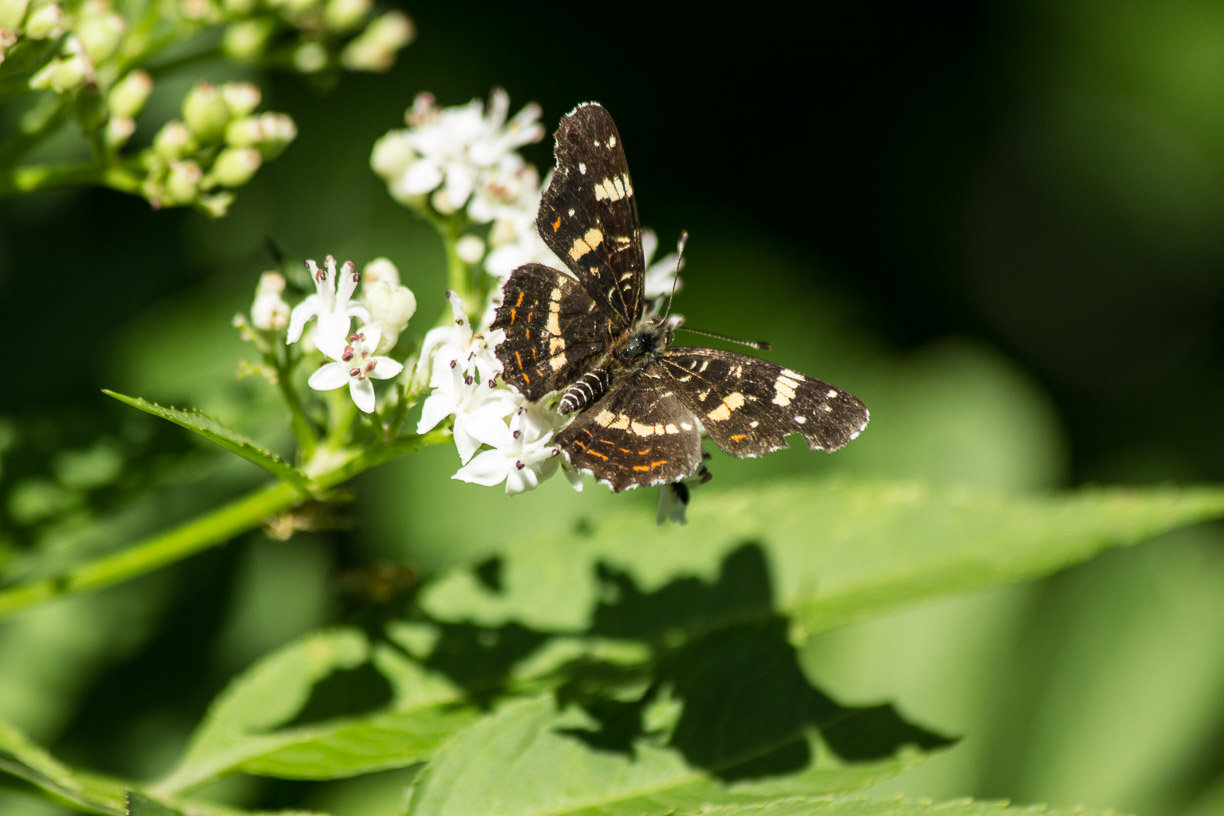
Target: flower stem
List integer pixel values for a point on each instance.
(32, 178)
(158, 551)
(283, 362)
(205, 531)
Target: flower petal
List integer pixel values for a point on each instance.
(385, 369)
(329, 376)
(362, 392)
(488, 469)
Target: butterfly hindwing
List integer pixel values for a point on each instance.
(748, 406)
(639, 433)
(588, 214)
(553, 330)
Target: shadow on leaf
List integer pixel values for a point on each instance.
(734, 699)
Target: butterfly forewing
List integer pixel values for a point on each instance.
(553, 330)
(640, 433)
(588, 214)
(748, 406)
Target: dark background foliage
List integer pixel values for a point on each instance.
(1002, 220)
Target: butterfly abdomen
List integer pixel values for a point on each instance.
(590, 387)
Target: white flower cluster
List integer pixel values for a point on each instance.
(455, 155)
(462, 371)
(356, 357)
(464, 160)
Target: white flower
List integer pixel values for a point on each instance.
(660, 274)
(355, 364)
(674, 497)
(458, 346)
(330, 304)
(505, 190)
(269, 311)
(525, 459)
(449, 151)
(480, 410)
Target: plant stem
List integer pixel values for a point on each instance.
(32, 178)
(200, 533)
(194, 536)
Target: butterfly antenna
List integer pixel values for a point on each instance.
(760, 345)
(676, 276)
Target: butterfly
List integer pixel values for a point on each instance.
(640, 403)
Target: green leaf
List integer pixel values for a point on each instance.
(137, 804)
(824, 553)
(859, 806)
(275, 719)
(25, 760)
(533, 757)
(212, 430)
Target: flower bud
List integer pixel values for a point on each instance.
(269, 311)
(8, 38)
(278, 131)
(182, 184)
(235, 166)
(67, 72)
(128, 96)
(173, 141)
(205, 112)
(247, 39)
(310, 57)
(215, 205)
(12, 12)
(45, 22)
(345, 15)
(270, 132)
(100, 29)
(375, 48)
(118, 130)
(241, 97)
(470, 249)
(391, 307)
(380, 270)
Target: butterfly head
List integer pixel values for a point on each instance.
(647, 339)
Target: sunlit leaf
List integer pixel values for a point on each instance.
(217, 433)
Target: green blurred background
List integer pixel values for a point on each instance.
(999, 224)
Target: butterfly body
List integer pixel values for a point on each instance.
(640, 403)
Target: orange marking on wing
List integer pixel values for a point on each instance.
(738, 437)
(513, 314)
(557, 224)
(597, 453)
(651, 466)
(519, 302)
(624, 450)
(579, 444)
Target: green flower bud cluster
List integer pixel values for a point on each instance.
(85, 61)
(62, 46)
(217, 146)
(331, 33)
